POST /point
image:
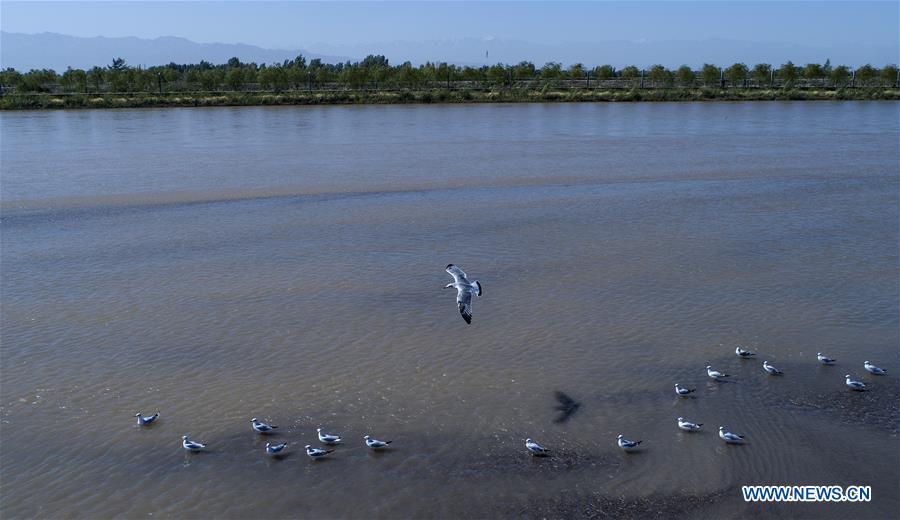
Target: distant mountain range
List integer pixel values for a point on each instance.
(58, 51)
(672, 53)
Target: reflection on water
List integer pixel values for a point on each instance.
(287, 263)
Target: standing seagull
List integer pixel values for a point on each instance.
(682, 391)
(687, 425)
(535, 448)
(324, 438)
(825, 360)
(191, 445)
(275, 449)
(854, 384)
(376, 444)
(261, 427)
(464, 291)
(316, 453)
(743, 353)
(730, 438)
(771, 369)
(145, 421)
(715, 374)
(626, 444)
(873, 369)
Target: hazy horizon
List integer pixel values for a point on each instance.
(670, 33)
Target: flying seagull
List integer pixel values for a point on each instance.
(683, 391)
(825, 360)
(261, 427)
(464, 291)
(730, 438)
(743, 353)
(316, 453)
(191, 445)
(275, 449)
(626, 444)
(144, 421)
(687, 425)
(327, 439)
(854, 384)
(715, 374)
(771, 369)
(873, 369)
(376, 444)
(535, 448)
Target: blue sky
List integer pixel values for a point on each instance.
(304, 24)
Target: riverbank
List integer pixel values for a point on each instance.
(353, 97)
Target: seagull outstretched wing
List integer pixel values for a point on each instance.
(458, 275)
(464, 301)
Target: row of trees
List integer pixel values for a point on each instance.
(376, 72)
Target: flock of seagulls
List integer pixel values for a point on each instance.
(465, 291)
(717, 375)
(274, 450)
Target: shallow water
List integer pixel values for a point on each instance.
(287, 263)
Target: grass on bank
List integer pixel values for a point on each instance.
(201, 99)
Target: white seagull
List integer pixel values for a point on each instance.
(275, 449)
(682, 391)
(825, 360)
(687, 425)
(771, 369)
(464, 291)
(327, 439)
(376, 444)
(144, 421)
(316, 453)
(626, 444)
(715, 374)
(854, 384)
(873, 369)
(261, 427)
(535, 448)
(730, 438)
(191, 445)
(743, 353)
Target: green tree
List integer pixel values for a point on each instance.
(737, 74)
(685, 76)
(840, 76)
(865, 75)
(576, 71)
(551, 70)
(95, 78)
(10, 77)
(355, 76)
(497, 74)
(709, 75)
(38, 80)
(524, 70)
(234, 78)
(273, 78)
(74, 80)
(761, 74)
(788, 74)
(889, 75)
(211, 79)
(630, 72)
(660, 76)
(407, 76)
(812, 71)
(605, 72)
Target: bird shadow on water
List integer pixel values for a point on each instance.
(566, 407)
